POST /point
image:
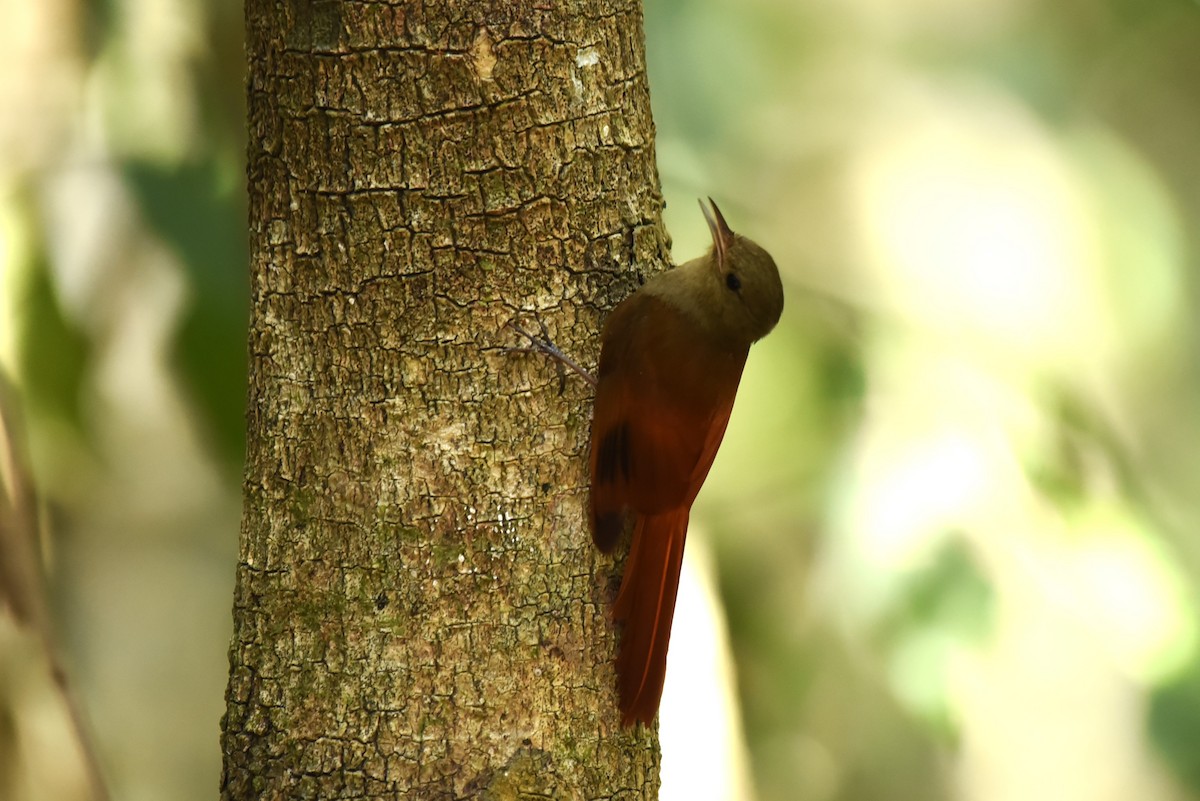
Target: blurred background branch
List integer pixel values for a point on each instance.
(33, 681)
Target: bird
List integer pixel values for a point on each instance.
(671, 359)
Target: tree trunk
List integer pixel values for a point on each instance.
(419, 610)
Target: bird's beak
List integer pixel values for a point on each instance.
(721, 235)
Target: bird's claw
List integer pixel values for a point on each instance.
(546, 346)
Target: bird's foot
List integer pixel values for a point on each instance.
(546, 346)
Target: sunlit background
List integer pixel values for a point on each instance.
(948, 549)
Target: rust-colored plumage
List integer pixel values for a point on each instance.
(671, 358)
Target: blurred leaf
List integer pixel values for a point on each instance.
(100, 20)
(52, 353)
(1174, 724)
(205, 223)
(950, 594)
(943, 607)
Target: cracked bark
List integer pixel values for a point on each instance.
(419, 612)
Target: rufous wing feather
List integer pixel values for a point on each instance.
(661, 395)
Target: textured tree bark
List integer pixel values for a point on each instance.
(419, 611)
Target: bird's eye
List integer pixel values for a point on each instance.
(733, 282)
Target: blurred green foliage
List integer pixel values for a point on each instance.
(205, 223)
(53, 353)
(764, 105)
(954, 520)
(1174, 723)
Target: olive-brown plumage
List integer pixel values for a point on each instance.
(671, 357)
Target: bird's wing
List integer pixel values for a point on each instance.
(664, 397)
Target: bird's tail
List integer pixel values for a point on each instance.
(646, 605)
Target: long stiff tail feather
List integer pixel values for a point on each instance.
(646, 605)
